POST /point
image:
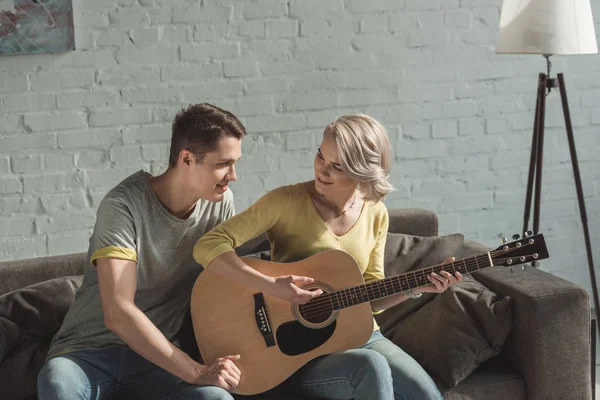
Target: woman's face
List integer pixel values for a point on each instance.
(329, 174)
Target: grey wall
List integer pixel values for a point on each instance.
(72, 125)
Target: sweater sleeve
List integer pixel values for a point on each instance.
(237, 230)
(375, 269)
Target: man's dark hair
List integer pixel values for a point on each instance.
(198, 129)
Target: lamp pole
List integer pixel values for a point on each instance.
(534, 181)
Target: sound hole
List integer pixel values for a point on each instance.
(293, 338)
(316, 311)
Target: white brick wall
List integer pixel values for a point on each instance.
(72, 125)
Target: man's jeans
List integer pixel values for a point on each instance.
(119, 372)
(115, 372)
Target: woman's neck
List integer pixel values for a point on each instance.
(337, 201)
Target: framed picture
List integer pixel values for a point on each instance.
(36, 26)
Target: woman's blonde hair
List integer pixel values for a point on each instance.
(365, 153)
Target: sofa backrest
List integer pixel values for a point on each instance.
(18, 274)
(413, 221)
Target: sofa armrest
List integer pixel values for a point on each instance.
(413, 221)
(549, 343)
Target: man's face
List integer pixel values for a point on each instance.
(209, 178)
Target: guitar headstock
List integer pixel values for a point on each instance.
(526, 249)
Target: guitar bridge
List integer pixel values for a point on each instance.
(262, 319)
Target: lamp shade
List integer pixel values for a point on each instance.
(547, 27)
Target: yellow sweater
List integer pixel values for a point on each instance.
(296, 231)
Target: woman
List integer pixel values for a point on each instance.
(340, 209)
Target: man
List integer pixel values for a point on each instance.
(116, 338)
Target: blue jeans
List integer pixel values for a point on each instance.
(379, 370)
(115, 372)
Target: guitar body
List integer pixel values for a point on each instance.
(230, 318)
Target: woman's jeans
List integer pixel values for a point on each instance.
(379, 370)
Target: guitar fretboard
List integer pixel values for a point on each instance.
(392, 285)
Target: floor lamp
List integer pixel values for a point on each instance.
(549, 27)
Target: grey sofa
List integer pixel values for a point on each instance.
(546, 354)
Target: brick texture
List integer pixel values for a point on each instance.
(460, 117)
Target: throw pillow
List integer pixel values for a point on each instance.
(457, 331)
(9, 335)
(34, 314)
(452, 333)
(405, 253)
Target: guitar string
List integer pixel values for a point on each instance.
(414, 280)
(371, 289)
(313, 309)
(411, 280)
(387, 283)
(325, 302)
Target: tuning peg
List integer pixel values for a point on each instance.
(503, 240)
(535, 264)
(523, 267)
(528, 233)
(516, 237)
(512, 271)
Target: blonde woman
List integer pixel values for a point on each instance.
(340, 209)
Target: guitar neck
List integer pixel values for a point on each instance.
(392, 285)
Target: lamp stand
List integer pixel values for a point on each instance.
(535, 167)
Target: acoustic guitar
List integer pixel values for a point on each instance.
(276, 338)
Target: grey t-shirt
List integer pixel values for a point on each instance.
(132, 224)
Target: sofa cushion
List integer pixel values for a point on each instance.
(492, 380)
(29, 318)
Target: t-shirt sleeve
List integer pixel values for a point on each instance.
(114, 233)
(237, 230)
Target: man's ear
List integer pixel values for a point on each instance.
(186, 157)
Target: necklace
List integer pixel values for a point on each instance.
(343, 211)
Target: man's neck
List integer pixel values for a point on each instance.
(172, 194)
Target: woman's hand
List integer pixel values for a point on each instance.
(441, 281)
(288, 288)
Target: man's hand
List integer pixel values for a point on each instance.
(222, 373)
(288, 288)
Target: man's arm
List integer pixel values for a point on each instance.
(117, 281)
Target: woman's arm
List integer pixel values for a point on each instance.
(215, 250)
(439, 283)
(375, 271)
(285, 287)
